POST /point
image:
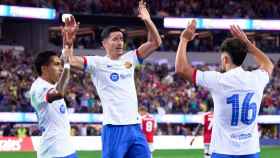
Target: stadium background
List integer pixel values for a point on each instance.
(159, 89)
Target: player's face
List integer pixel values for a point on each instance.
(114, 44)
(54, 69)
(141, 113)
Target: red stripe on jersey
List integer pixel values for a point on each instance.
(47, 95)
(194, 76)
(140, 59)
(85, 62)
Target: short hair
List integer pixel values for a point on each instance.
(107, 30)
(42, 59)
(236, 49)
(143, 108)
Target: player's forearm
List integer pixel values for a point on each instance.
(77, 62)
(196, 131)
(63, 80)
(262, 59)
(153, 34)
(182, 66)
(74, 61)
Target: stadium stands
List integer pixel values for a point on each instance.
(179, 8)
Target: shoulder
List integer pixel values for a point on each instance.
(259, 75)
(95, 58)
(39, 86)
(128, 54)
(210, 73)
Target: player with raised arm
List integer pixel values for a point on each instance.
(113, 77)
(148, 126)
(47, 97)
(237, 93)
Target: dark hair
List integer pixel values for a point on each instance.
(107, 30)
(236, 50)
(42, 59)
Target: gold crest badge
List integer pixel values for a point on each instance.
(127, 64)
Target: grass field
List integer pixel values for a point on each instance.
(267, 152)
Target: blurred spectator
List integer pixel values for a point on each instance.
(191, 8)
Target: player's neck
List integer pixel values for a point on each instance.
(113, 56)
(46, 78)
(231, 66)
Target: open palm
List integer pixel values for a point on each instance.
(69, 31)
(143, 12)
(189, 33)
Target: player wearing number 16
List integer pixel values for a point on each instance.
(236, 93)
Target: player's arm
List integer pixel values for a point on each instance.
(182, 66)
(195, 133)
(69, 34)
(154, 40)
(262, 59)
(76, 61)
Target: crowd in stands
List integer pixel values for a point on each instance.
(191, 8)
(257, 9)
(158, 88)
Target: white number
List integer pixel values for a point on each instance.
(149, 126)
(210, 119)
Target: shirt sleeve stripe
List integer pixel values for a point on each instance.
(194, 76)
(85, 62)
(47, 95)
(140, 59)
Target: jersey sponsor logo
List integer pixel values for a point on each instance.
(42, 129)
(109, 66)
(62, 109)
(123, 76)
(127, 64)
(241, 136)
(114, 77)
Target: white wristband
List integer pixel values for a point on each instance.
(65, 16)
(66, 66)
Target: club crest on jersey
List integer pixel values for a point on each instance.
(62, 108)
(114, 77)
(127, 64)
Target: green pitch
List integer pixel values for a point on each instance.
(267, 152)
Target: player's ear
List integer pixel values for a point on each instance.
(104, 41)
(227, 59)
(44, 68)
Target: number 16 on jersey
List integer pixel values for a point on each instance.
(248, 109)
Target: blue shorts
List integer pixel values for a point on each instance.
(124, 141)
(215, 155)
(74, 155)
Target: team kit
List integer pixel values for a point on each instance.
(230, 128)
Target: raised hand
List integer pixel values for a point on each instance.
(143, 12)
(239, 34)
(69, 31)
(189, 33)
